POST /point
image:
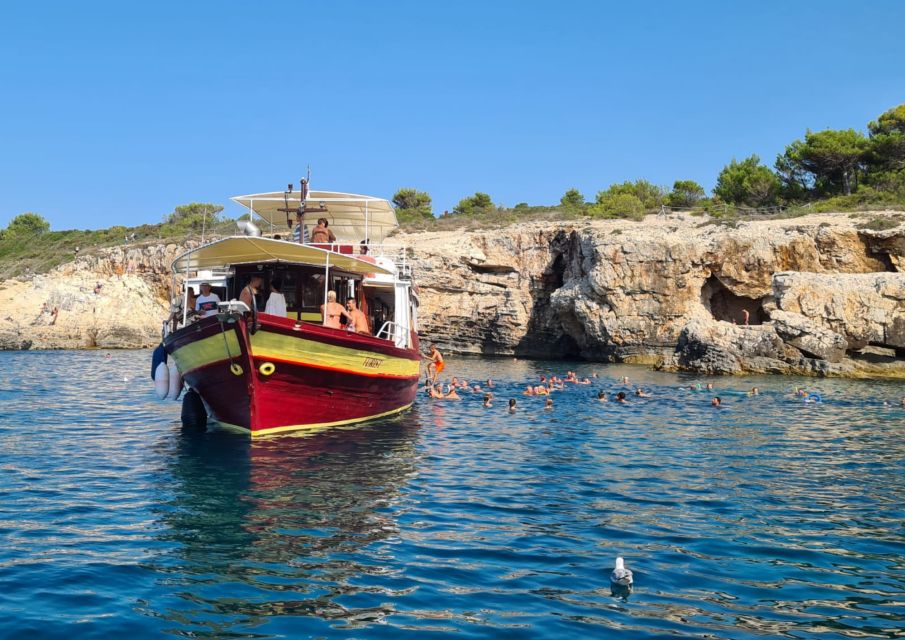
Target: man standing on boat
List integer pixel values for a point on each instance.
(207, 302)
(250, 291)
(359, 322)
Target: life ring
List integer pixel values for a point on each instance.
(236, 369)
(267, 368)
(814, 397)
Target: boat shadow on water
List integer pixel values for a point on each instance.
(255, 530)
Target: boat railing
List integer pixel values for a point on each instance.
(393, 332)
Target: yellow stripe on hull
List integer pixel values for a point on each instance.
(298, 350)
(206, 351)
(314, 427)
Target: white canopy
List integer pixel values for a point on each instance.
(352, 217)
(250, 250)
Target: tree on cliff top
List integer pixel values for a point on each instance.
(887, 141)
(572, 199)
(27, 224)
(685, 193)
(747, 183)
(830, 161)
(412, 204)
(478, 204)
(195, 215)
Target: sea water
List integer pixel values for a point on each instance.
(767, 517)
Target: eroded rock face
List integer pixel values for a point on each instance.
(864, 309)
(114, 299)
(670, 291)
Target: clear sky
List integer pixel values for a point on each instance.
(116, 112)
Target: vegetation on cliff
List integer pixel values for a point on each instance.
(27, 245)
(831, 170)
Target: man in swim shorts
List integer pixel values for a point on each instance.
(436, 364)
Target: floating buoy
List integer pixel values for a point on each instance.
(194, 414)
(159, 355)
(162, 380)
(175, 385)
(267, 368)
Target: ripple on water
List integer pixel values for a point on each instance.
(765, 518)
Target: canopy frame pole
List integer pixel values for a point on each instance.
(326, 288)
(185, 295)
(367, 232)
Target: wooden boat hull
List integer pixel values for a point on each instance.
(292, 375)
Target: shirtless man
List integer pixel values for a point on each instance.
(436, 364)
(333, 311)
(359, 322)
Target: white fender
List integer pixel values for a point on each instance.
(161, 380)
(175, 382)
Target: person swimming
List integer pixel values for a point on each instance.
(620, 397)
(511, 405)
(584, 380)
(540, 390)
(754, 392)
(529, 391)
(548, 405)
(624, 380)
(716, 402)
(641, 394)
(601, 396)
(488, 400)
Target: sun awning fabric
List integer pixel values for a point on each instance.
(352, 217)
(249, 250)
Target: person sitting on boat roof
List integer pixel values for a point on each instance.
(207, 302)
(359, 322)
(251, 290)
(333, 312)
(276, 302)
(321, 234)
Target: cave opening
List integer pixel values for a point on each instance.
(725, 305)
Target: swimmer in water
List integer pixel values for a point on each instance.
(716, 402)
(800, 392)
(488, 400)
(709, 386)
(489, 383)
(641, 394)
(754, 392)
(511, 405)
(620, 397)
(451, 394)
(476, 388)
(541, 391)
(529, 391)
(903, 401)
(584, 381)
(548, 405)
(601, 396)
(624, 380)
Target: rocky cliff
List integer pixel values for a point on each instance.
(813, 295)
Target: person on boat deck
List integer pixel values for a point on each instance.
(251, 290)
(276, 302)
(321, 234)
(207, 302)
(333, 311)
(359, 322)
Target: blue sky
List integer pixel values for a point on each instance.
(116, 112)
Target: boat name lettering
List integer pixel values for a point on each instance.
(373, 363)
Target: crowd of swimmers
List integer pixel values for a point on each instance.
(546, 385)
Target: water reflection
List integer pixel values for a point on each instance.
(279, 527)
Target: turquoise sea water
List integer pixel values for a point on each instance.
(767, 518)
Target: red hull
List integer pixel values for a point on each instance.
(291, 375)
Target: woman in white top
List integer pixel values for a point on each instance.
(276, 302)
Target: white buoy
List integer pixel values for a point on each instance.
(162, 380)
(621, 576)
(175, 382)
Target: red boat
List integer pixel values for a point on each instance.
(289, 370)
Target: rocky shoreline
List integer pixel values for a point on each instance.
(820, 295)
